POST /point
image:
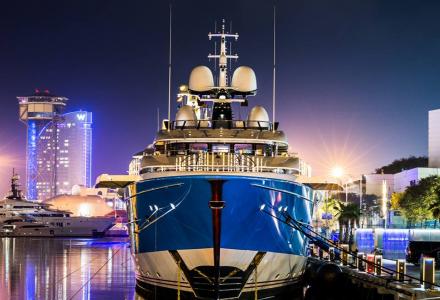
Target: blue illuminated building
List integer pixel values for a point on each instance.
(58, 145)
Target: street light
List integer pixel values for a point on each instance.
(338, 172)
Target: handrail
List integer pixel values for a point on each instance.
(219, 162)
(225, 124)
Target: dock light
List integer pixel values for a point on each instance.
(172, 206)
(400, 269)
(155, 207)
(280, 208)
(183, 88)
(378, 264)
(360, 263)
(84, 210)
(370, 263)
(262, 206)
(427, 272)
(151, 208)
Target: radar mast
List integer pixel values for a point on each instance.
(223, 56)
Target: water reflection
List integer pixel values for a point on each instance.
(37, 268)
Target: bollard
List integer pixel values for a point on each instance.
(344, 254)
(378, 264)
(400, 270)
(370, 263)
(320, 253)
(360, 262)
(331, 253)
(312, 251)
(427, 276)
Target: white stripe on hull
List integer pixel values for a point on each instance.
(275, 269)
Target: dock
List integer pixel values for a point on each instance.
(355, 279)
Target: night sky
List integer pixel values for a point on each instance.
(355, 79)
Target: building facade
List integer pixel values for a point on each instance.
(411, 177)
(434, 138)
(59, 152)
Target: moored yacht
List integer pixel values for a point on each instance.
(209, 196)
(20, 217)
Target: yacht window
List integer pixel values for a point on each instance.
(263, 149)
(196, 148)
(220, 148)
(243, 148)
(178, 148)
(159, 147)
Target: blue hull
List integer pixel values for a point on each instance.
(174, 214)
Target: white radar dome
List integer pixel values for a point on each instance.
(244, 80)
(201, 79)
(258, 117)
(186, 117)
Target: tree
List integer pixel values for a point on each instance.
(403, 164)
(348, 216)
(434, 200)
(395, 200)
(420, 202)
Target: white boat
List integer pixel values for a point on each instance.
(20, 217)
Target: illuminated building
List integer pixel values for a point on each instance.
(434, 138)
(58, 152)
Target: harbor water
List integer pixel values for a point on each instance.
(42, 268)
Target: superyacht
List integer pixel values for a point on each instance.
(208, 199)
(20, 217)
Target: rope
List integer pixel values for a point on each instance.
(256, 281)
(94, 274)
(178, 280)
(291, 222)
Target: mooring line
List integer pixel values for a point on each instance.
(82, 287)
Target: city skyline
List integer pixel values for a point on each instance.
(58, 147)
(354, 82)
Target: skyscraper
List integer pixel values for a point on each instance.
(434, 138)
(58, 152)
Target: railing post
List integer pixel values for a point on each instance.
(331, 253)
(344, 254)
(427, 277)
(360, 261)
(370, 263)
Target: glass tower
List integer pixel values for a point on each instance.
(58, 145)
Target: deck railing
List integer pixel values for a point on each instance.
(220, 162)
(226, 124)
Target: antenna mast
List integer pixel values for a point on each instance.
(223, 56)
(274, 66)
(169, 75)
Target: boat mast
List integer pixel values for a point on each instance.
(169, 74)
(274, 66)
(223, 56)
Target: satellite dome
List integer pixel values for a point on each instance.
(186, 117)
(258, 117)
(201, 79)
(244, 80)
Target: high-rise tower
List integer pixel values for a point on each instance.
(58, 152)
(434, 138)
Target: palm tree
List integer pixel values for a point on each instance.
(348, 216)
